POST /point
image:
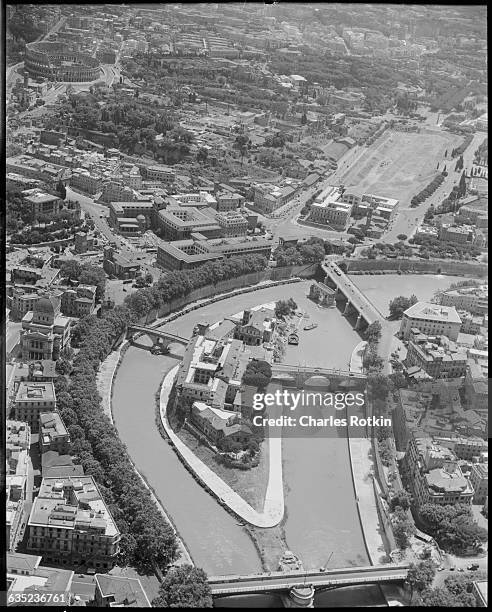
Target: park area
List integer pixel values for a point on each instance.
(400, 164)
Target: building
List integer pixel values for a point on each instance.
(42, 203)
(25, 576)
(163, 174)
(132, 218)
(322, 294)
(119, 265)
(268, 198)
(456, 234)
(479, 479)
(408, 414)
(189, 254)
(30, 167)
(430, 319)
(22, 302)
(472, 324)
(219, 425)
(232, 223)
(330, 209)
(119, 592)
(476, 388)
(434, 474)
(178, 222)
(256, 327)
(437, 356)
(473, 299)
(53, 435)
(71, 525)
(79, 302)
(227, 201)
(56, 61)
(211, 372)
(32, 399)
(45, 332)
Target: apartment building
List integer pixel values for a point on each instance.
(42, 203)
(119, 592)
(227, 201)
(22, 302)
(31, 167)
(53, 434)
(71, 524)
(163, 174)
(473, 299)
(457, 234)
(18, 182)
(479, 479)
(26, 577)
(79, 302)
(437, 356)
(430, 319)
(32, 399)
(434, 474)
(232, 223)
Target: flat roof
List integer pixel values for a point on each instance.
(434, 312)
(35, 391)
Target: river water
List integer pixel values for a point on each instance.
(321, 515)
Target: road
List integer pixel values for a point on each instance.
(100, 214)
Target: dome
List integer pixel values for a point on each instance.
(46, 305)
(317, 381)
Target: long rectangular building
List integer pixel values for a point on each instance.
(189, 254)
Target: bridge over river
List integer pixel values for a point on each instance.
(366, 311)
(159, 337)
(223, 586)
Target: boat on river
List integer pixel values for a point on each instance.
(293, 338)
(310, 326)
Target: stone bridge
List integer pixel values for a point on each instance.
(297, 376)
(159, 337)
(356, 301)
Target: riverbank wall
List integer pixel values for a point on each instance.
(105, 384)
(247, 281)
(431, 266)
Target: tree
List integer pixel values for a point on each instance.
(202, 155)
(402, 236)
(421, 575)
(438, 597)
(184, 587)
(401, 499)
(91, 275)
(285, 308)
(398, 305)
(71, 269)
(402, 531)
(61, 189)
(373, 332)
(258, 373)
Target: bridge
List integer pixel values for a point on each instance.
(366, 311)
(158, 336)
(298, 375)
(223, 586)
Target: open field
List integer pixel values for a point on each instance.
(409, 163)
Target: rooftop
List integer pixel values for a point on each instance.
(122, 591)
(35, 391)
(433, 312)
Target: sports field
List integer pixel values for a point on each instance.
(399, 164)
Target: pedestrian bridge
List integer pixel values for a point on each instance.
(367, 312)
(158, 336)
(223, 586)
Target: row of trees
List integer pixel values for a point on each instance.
(463, 146)
(430, 246)
(147, 542)
(179, 284)
(429, 190)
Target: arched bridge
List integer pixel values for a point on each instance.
(298, 375)
(223, 586)
(367, 312)
(158, 336)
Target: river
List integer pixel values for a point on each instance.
(321, 515)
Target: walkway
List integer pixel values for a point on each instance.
(273, 510)
(356, 359)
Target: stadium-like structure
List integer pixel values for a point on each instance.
(57, 62)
